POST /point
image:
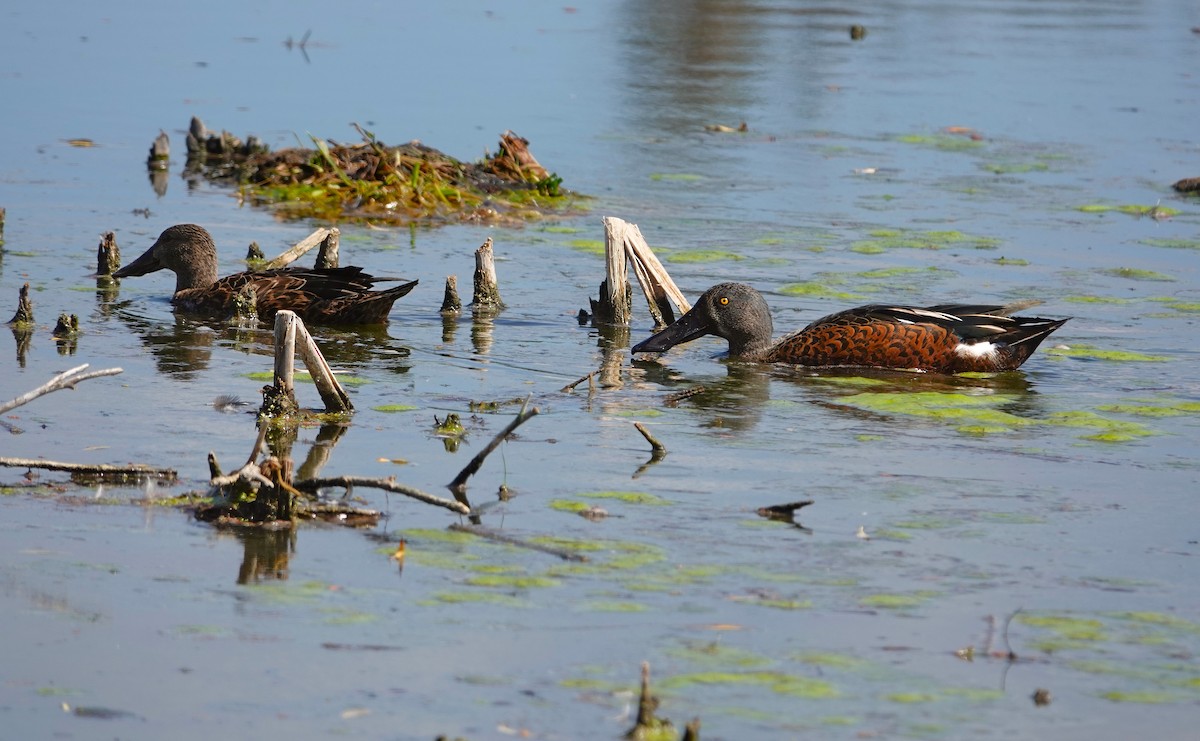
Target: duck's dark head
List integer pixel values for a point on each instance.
(734, 311)
(185, 249)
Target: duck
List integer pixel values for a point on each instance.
(947, 338)
(318, 295)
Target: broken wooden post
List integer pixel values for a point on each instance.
(279, 399)
(487, 290)
(624, 243)
(254, 254)
(108, 255)
(615, 301)
(451, 303)
(23, 319)
(327, 256)
(291, 336)
(160, 152)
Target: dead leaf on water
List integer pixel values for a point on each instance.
(81, 142)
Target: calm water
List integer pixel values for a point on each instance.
(1065, 490)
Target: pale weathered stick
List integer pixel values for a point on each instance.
(571, 386)
(388, 484)
(335, 397)
(652, 276)
(614, 292)
(65, 380)
(250, 472)
(134, 469)
(459, 485)
(289, 256)
(285, 352)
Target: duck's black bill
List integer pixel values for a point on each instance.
(147, 263)
(685, 329)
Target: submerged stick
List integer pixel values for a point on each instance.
(658, 448)
(489, 534)
(387, 484)
(64, 380)
(459, 485)
(571, 386)
(133, 469)
(287, 257)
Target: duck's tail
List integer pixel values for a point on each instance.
(365, 308)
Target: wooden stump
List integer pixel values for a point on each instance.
(327, 256)
(487, 289)
(451, 303)
(108, 255)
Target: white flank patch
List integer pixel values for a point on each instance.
(976, 350)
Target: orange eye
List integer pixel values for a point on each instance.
(723, 301)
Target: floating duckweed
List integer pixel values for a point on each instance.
(431, 535)
(1137, 274)
(1159, 618)
(1092, 353)
(629, 497)
(910, 697)
(1190, 308)
(491, 598)
(1110, 430)
(591, 246)
(1010, 261)
(512, 581)
(1144, 410)
(835, 661)
(971, 410)
(685, 177)
(891, 272)
(1176, 244)
(395, 408)
(613, 607)
(561, 230)
(784, 684)
(944, 142)
(1096, 300)
(886, 534)
(304, 377)
(599, 685)
(838, 720)
(1145, 697)
(637, 413)
(775, 602)
(712, 652)
(693, 256)
(1014, 168)
(896, 601)
(569, 505)
(1132, 209)
(867, 248)
(1073, 629)
(813, 288)
(975, 694)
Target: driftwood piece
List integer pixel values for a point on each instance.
(655, 446)
(487, 288)
(590, 378)
(287, 257)
(327, 256)
(499, 537)
(24, 315)
(451, 303)
(160, 152)
(291, 337)
(64, 380)
(459, 485)
(108, 255)
(133, 469)
(387, 484)
(625, 245)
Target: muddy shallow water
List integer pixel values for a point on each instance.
(1064, 490)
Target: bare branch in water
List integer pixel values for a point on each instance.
(65, 380)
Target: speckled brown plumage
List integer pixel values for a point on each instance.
(950, 338)
(326, 295)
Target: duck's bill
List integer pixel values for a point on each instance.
(147, 263)
(685, 329)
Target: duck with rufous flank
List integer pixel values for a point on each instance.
(948, 338)
(320, 295)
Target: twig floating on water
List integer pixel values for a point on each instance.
(571, 386)
(655, 445)
(389, 484)
(459, 485)
(133, 469)
(64, 380)
(489, 534)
